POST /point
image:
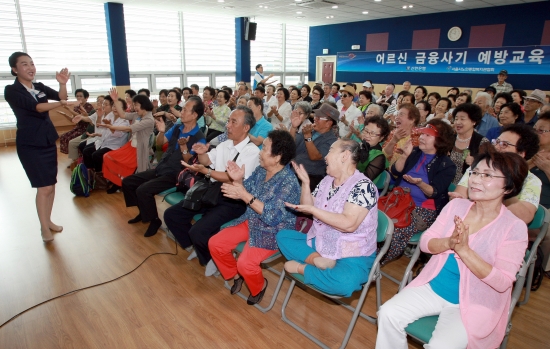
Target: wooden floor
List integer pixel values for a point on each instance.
(167, 302)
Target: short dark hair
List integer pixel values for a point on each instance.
(194, 86)
(521, 93)
(320, 90)
(467, 95)
(308, 88)
(382, 124)
(13, 60)
(337, 85)
(177, 89)
(445, 140)
(545, 116)
(454, 89)
(505, 95)
(283, 144)
(258, 66)
(260, 88)
(285, 92)
(163, 91)
(257, 101)
(146, 90)
(210, 90)
(186, 89)
(515, 109)
(446, 99)
(424, 90)
(177, 93)
(226, 95)
(426, 105)
(405, 93)
(111, 102)
(124, 104)
(435, 94)
(513, 167)
(473, 111)
(228, 90)
(198, 106)
(528, 141)
(84, 92)
(414, 114)
(452, 97)
(249, 118)
(131, 93)
(143, 101)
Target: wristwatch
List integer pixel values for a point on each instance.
(184, 151)
(207, 176)
(309, 139)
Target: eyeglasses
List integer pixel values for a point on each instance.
(486, 177)
(540, 132)
(320, 118)
(345, 96)
(502, 144)
(316, 93)
(372, 134)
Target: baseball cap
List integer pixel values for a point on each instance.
(537, 95)
(503, 72)
(326, 111)
(429, 130)
(367, 84)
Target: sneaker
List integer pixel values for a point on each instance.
(211, 268)
(257, 298)
(237, 285)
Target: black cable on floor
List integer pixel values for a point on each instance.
(84, 288)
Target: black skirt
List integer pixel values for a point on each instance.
(40, 164)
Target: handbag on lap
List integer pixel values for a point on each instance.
(398, 205)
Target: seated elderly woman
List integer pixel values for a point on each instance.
(337, 253)
(376, 130)
(171, 110)
(509, 113)
(406, 122)
(217, 116)
(478, 246)
(265, 192)
(426, 171)
(134, 156)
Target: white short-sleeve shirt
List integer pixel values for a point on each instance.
(226, 151)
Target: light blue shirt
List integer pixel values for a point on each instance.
(487, 123)
(261, 129)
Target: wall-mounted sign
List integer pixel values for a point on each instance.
(534, 60)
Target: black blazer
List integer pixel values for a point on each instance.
(441, 171)
(33, 128)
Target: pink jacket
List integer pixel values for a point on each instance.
(484, 303)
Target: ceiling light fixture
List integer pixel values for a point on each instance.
(404, 6)
(299, 12)
(458, 0)
(221, 0)
(410, 6)
(300, 16)
(377, 0)
(229, 7)
(335, 6)
(265, 6)
(365, 12)
(261, 6)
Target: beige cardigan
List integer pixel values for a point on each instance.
(142, 130)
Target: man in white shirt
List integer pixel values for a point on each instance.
(213, 164)
(259, 77)
(348, 110)
(367, 86)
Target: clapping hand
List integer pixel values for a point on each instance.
(542, 160)
(200, 148)
(301, 172)
(235, 172)
(407, 148)
(455, 195)
(161, 126)
(234, 190)
(194, 167)
(113, 93)
(412, 180)
(399, 133)
(63, 76)
(76, 119)
(307, 130)
(307, 209)
(459, 240)
(295, 118)
(155, 103)
(361, 120)
(83, 111)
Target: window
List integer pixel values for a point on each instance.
(153, 39)
(228, 81)
(168, 82)
(267, 49)
(297, 39)
(209, 47)
(102, 85)
(292, 80)
(6, 115)
(52, 83)
(10, 41)
(139, 83)
(68, 34)
(202, 81)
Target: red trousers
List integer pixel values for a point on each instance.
(247, 266)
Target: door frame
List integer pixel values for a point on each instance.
(319, 60)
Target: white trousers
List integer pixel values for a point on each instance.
(73, 147)
(411, 304)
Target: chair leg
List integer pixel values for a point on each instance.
(407, 277)
(296, 327)
(530, 274)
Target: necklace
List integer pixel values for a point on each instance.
(458, 139)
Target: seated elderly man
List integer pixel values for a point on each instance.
(140, 189)
(522, 140)
(349, 113)
(484, 101)
(239, 149)
(313, 143)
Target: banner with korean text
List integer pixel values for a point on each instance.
(533, 60)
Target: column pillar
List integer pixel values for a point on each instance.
(118, 53)
(242, 54)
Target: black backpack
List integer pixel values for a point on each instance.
(538, 273)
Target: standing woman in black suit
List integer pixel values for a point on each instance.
(36, 135)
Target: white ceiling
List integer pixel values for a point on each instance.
(284, 11)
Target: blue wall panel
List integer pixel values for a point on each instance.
(524, 26)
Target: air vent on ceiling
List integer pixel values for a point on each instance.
(319, 3)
